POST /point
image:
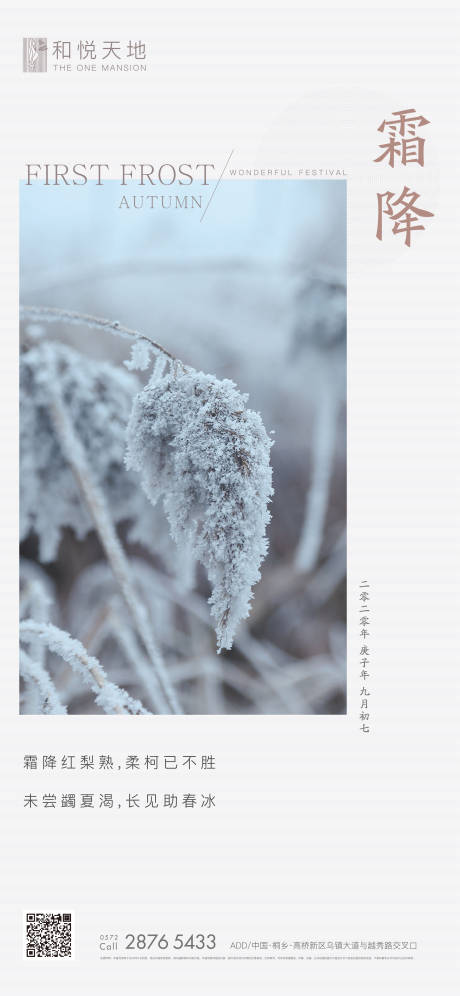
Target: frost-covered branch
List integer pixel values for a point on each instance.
(195, 445)
(324, 434)
(166, 699)
(34, 673)
(109, 696)
(35, 602)
(36, 313)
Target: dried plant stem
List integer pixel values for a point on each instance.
(98, 626)
(166, 699)
(35, 313)
(138, 660)
(318, 495)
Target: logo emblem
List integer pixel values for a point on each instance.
(34, 55)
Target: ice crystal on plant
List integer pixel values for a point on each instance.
(141, 354)
(206, 455)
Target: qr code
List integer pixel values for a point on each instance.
(48, 935)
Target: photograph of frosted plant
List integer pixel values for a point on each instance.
(183, 453)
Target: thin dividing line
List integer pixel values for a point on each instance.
(216, 186)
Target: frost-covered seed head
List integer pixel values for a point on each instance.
(206, 455)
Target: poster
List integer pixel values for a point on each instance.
(230, 412)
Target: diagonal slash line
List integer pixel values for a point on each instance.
(216, 186)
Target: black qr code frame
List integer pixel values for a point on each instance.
(65, 917)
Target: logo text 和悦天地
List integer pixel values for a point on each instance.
(78, 55)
